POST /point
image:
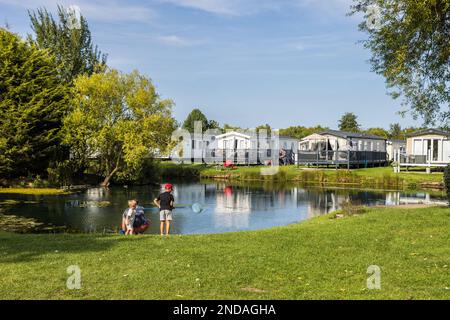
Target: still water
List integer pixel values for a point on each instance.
(223, 207)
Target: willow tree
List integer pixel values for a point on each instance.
(118, 121)
(409, 41)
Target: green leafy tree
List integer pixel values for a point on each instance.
(213, 124)
(194, 116)
(395, 131)
(33, 101)
(378, 132)
(229, 127)
(409, 41)
(119, 120)
(299, 132)
(410, 130)
(70, 41)
(349, 123)
(197, 115)
(264, 127)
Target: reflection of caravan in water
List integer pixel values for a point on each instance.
(331, 200)
(232, 208)
(396, 198)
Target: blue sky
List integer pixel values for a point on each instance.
(243, 62)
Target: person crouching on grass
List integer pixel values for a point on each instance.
(165, 203)
(130, 217)
(141, 223)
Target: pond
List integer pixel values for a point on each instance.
(224, 207)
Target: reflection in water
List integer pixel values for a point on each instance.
(225, 207)
(232, 209)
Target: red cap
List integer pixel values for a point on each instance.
(168, 186)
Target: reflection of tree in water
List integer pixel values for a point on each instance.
(319, 201)
(322, 201)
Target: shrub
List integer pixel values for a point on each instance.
(39, 183)
(447, 181)
(350, 209)
(60, 173)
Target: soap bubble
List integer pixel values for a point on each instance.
(197, 208)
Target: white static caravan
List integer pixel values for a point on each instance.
(429, 147)
(334, 140)
(237, 147)
(192, 147)
(393, 147)
(312, 142)
(340, 148)
(248, 148)
(234, 140)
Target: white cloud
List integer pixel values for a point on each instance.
(225, 7)
(245, 7)
(117, 12)
(318, 42)
(96, 10)
(169, 39)
(177, 41)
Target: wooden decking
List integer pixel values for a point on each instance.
(342, 158)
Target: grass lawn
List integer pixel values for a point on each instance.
(322, 258)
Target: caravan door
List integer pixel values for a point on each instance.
(418, 148)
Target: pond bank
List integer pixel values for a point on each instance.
(380, 178)
(36, 191)
(322, 258)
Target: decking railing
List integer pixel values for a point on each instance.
(413, 159)
(242, 156)
(409, 160)
(338, 158)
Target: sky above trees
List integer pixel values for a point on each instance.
(245, 62)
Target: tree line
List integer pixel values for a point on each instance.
(348, 122)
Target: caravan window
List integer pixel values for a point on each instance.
(435, 150)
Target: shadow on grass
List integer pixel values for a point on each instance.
(16, 248)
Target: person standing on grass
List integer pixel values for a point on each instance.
(130, 217)
(165, 203)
